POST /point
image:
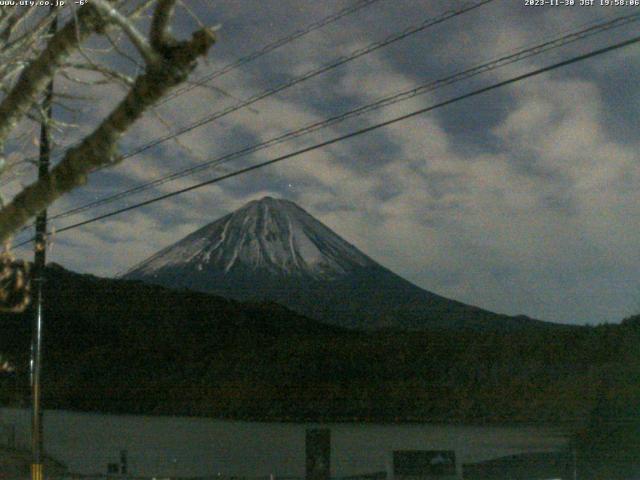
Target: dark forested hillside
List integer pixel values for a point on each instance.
(122, 346)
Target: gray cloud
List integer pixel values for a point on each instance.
(520, 201)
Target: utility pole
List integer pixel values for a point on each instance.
(39, 279)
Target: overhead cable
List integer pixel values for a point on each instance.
(380, 103)
(356, 133)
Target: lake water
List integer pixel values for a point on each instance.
(179, 446)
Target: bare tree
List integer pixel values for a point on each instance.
(30, 57)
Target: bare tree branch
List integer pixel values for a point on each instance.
(98, 149)
(146, 50)
(103, 70)
(159, 35)
(36, 76)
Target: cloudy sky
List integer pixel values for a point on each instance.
(523, 200)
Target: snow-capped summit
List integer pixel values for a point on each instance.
(273, 250)
(276, 236)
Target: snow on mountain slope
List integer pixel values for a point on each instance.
(269, 235)
(272, 250)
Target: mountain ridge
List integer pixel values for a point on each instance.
(129, 347)
(283, 238)
(273, 250)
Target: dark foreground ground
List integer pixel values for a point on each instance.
(124, 347)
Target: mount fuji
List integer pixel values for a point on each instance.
(273, 250)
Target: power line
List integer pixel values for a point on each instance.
(380, 103)
(271, 47)
(257, 54)
(361, 131)
(430, 22)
